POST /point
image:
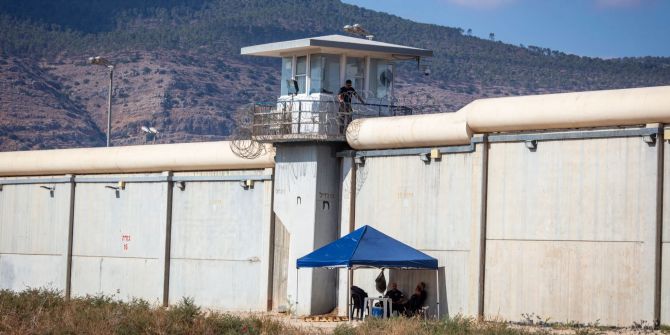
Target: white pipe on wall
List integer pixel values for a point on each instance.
(140, 158)
(570, 110)
(409, 131)
(608, 108)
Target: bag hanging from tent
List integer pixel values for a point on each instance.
(380, 282)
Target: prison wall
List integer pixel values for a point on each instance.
(157, 236)
(571, 220)
(526, 221)
(574, 208)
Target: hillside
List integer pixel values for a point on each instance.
(179, 67)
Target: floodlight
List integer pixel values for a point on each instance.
(649, 139)
(51, 189)
(153, 130)
(247, 184)
(531, 145)
(357, 29)
(145, 129)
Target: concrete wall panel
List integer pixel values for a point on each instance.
(566, 281)
(572, 190)
(230, 285)
(433, 207)
(19, 272)
(33, 236)
(573, 221)
(220, 244)
(123, 278)
(119, 240)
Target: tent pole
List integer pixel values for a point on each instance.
(297, 279)
(349, 311)
(437, 290)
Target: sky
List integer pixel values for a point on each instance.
(596, 28)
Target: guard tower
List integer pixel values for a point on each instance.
(312, 72)
(307, 123)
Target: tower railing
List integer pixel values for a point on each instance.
(294, 120)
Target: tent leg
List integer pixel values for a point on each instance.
(297, 279)
(437, 290)
(350, 312)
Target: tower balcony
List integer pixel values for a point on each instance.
(313, 120)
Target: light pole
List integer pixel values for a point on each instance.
(104, 62)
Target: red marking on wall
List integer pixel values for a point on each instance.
(125, 238)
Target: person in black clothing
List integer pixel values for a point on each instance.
(344, 97)
(397, 298)
(416, 300)
(346, 92)
(358, 297)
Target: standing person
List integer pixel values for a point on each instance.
(344, 97)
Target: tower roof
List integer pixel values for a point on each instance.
(334, 43)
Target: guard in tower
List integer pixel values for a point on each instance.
(344, 96)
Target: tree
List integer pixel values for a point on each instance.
(469, 32)
(492, 36)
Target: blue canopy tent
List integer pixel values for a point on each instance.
(367, 247)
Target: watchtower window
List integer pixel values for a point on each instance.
(286, 73)
(381, 78)
(356, 72)
(324, 73)
(301, 73)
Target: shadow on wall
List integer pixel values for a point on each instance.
(408, 279)
(282, 241)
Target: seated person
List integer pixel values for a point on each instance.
(397, 298)
(416, 300)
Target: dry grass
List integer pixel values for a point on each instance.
(454, 326)
(47, 312)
